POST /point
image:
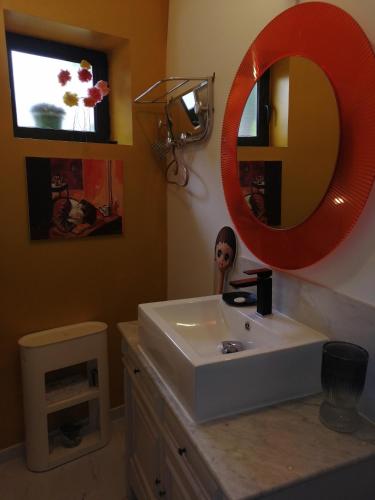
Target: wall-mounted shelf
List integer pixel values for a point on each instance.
(188, 116)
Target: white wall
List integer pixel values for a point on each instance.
(207, 36)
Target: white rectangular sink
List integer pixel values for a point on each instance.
(281, 358)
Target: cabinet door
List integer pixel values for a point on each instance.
(178, 483)
(144, 447)
(187, 459)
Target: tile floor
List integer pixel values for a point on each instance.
(97, 476)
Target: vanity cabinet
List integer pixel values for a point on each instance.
(276, 453)
(161, 460)
(144, 447)
(177, 485)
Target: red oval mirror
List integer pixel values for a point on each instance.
(333, 40)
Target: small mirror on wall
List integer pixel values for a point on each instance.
(187, 113)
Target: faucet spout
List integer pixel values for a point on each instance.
(263, 282)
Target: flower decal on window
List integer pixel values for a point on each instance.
(103, 87)
(95, 94)
(64, 77)
(85, 64)
(84, 75)
(70, 99)
(89, 102)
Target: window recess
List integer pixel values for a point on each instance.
(37, 96)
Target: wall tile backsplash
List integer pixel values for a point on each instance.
(337, 316)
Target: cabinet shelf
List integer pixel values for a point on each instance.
(60, 453)
(68, 392)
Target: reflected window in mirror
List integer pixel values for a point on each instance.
(254, 125)
(187, 113)
(189, 102)
(303, 137)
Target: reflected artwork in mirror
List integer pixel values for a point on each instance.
(335, 151)
(291, 119)
(260, 183)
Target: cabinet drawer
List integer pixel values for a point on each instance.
(186, 453)
(143, 383)
(137, 482)
(178, 480)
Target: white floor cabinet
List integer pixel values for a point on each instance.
(65, 393)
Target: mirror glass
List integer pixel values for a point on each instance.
(187, 113)
(288, 142)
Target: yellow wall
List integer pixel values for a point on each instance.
(313, 141)
(51, 283)
(279, 93)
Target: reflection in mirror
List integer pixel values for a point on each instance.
(187, 114)
(254, 125)
(285, 170)
(260, 183)
(190, 103)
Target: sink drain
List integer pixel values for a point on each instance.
(230, 346)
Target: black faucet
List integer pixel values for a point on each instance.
(263, 282)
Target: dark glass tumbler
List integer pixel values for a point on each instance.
(344, 367)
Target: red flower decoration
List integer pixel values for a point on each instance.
(95, 94)
(103, 87)
(89, 102)
(64, 76)
(84, 75)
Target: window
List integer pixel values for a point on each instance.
(254, 126)
(37, 96)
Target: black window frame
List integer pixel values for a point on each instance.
(263, 115)
(48, 48)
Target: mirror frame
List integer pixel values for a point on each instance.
(333, 40)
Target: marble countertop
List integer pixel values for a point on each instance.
(265, 450)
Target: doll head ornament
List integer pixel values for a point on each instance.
(225, 254)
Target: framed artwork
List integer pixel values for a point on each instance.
(260, 183)
(74, 198)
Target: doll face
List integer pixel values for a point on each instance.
(223, 255)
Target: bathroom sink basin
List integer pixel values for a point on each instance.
(183, 339)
